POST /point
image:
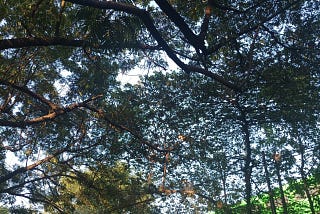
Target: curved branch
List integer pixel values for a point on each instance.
(37, 199)
(21, 170)
(57, 112)
(149, 23)
(26, 90)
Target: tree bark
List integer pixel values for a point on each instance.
(247, 166)
(304, 178)
(147, 20)
(283, 199)
(33, 42)
(21, 170)
(248, 160)
(271, 198)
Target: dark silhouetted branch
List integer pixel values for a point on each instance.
(149, 23)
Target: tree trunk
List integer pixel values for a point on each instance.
(304, 178)
(283, 199)
(224, 185)
(248, 161)
(271, 198)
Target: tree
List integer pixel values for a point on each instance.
(101, 190)
(4, 210)
(236, 57)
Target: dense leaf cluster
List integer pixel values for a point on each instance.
(233, 129)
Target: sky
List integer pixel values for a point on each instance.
(134, 75)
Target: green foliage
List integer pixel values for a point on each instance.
(16, 210)
(192, 140)
(4, 210)
(295, 196)
(101, 190)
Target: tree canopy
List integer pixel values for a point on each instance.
(233, 129)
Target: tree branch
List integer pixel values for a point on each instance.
(58, 112)
(226, 8)
(149, 23)
(34, 41)
(21, 170)
(46, 159)
(249, 28)
(205, 23)
(37, 199)
(37, 41)
(34, 95)
(192, 38)
(103, 115)
(276, 39)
